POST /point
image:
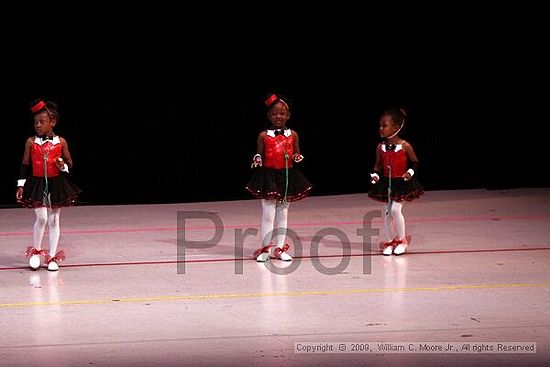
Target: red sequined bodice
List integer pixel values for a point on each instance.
(275, 148)
(396, 159)
(51, 152)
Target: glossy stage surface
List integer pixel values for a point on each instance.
(175, 285)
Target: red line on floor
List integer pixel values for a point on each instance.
(164, 262)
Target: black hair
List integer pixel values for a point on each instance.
(398, 116)
(39, 105)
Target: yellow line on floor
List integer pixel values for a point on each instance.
(273, 294)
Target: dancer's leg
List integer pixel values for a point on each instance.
(54, 231)
(39, 226)
(266, 232)
(281, 225)
(399, 221)
(269, 208)
(38, 234)
(281, 222)
(387, 245)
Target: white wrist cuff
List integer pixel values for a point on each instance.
(373, 175)
(65, 168)
(410, 171)
(21, 182)
(256, 157)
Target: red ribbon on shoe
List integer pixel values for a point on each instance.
(382, 245)
(33, 251)
(280, 250)
(396, 242)
(405, 242)
(60, 256)
(261, 250)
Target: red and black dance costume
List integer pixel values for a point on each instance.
(395, 164)
(278, 178)
(47, 186)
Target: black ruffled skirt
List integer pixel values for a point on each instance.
(58, 191)
(275, 184)
(401, 190)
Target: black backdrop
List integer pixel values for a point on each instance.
(154, 123)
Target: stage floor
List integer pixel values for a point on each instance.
(141, 287)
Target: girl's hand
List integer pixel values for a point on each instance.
(408, 175)
(374, 178)
(297, 157)
(60, 163)
(19, 194)
(256, 161)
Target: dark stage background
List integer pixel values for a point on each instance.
(154, 123)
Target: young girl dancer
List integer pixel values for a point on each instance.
(44, 184)
(394, 179)
(276, 180)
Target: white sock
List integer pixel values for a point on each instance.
(39, 226)
(268, 217)
(53, 230)
(281, 220)
(398, 219)
(388, 222)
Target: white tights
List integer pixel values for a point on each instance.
(50, 216)
(394, 217)
(274, 218)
